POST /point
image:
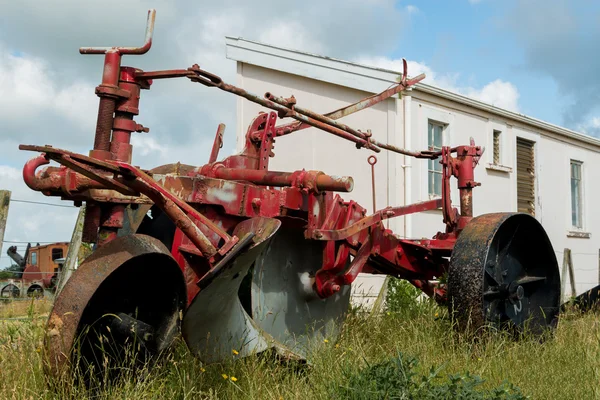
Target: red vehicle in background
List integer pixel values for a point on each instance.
(38, 270)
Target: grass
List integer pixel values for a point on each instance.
(25, 307)
(566, 366)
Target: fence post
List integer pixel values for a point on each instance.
(73, 252)
(572, 275)
(4, 203)
(563, 275)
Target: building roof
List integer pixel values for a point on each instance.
(366, 78)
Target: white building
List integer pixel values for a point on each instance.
(565, 165)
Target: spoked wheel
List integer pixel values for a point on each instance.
(504, 273)
(120, 308)
(10, 291)
(35, 291)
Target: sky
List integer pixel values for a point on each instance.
(536, 57)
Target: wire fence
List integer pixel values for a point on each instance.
(22, 245)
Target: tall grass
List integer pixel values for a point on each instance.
(566, 366)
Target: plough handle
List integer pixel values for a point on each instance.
(128, 50)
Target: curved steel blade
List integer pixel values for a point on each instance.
(216, 323)
(284, 305)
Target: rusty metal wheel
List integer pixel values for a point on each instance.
(504, 274)
(120, 308)
(10, 291)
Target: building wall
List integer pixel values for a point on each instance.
(318, 150)
(498, 191)
(313, 149)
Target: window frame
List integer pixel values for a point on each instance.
(496, 158)
(431, 147)
(56, 253)
(574, 225)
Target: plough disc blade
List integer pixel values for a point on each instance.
(123, 304)
(284, 304)
(215, 324)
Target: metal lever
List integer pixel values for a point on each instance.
(128, 50)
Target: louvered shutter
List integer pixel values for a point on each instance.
(525, 177)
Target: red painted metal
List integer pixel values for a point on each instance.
(206, 203)
(360, 105)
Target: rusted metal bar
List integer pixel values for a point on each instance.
(329, 121)
(168, 203)
(164, 74)
(303, 179)
(358, 106)
(372, 160)
(386, 213)
(285, 109)
(150, 185)
(217, 144)
(212, 80)
(128, 50)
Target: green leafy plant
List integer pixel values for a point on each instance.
(403, 297)
(396, 378)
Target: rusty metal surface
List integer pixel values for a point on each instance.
(216, 323)
(70, 307)
(312, 180)
(360, 105)
(494, 253)
(386, 213)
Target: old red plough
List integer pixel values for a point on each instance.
(236, 256)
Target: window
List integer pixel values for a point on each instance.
(34, 258)
(576, 206)
(434, 143)
(496, 159)
(56, 253)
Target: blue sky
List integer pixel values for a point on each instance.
(486, 40)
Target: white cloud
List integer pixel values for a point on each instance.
(590, 126)
(498, 92)
(29, 90)
(291, 34)
(411, 9)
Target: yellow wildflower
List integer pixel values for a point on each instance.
(202, 369)
(337, 345)
(326, 341)
(224, 376)
(234, 351)
(233, 379)
(436, 314)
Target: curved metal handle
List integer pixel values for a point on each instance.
(35, 181)
(128, 50)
